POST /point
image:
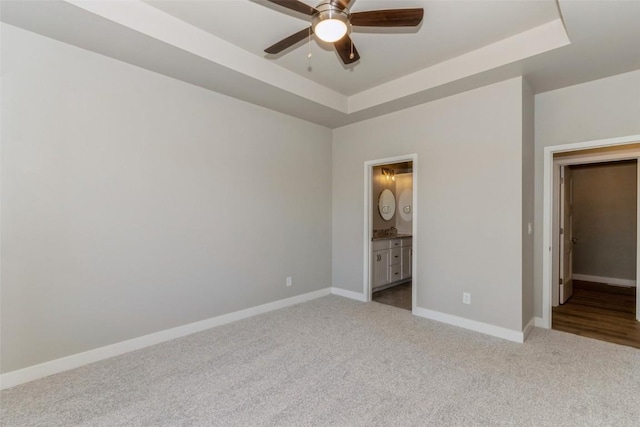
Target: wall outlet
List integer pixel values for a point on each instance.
(466, 298)
(288, 281)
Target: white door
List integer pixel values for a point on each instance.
(566, 235)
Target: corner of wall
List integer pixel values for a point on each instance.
(528, 184)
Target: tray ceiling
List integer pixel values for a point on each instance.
(460, 45)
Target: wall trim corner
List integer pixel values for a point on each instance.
(349, 294)
(473, 325)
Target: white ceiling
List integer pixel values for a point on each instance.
(218, 44)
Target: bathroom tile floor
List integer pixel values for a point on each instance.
(397, 296)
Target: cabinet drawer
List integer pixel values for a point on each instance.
(396, 273)
(378, 245)
(406, 242)
(395, 256)
(395, 243)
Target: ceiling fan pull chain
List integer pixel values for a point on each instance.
(309, 54)
(351, 55)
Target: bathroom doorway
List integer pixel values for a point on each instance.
(390, 277)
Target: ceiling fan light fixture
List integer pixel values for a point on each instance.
(329, 24)
(330, 30)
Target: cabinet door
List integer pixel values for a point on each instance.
(380, 268)
(406, 262)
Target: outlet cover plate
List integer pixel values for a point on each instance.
(466, 298)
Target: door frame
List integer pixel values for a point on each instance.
(624, 151)
(368, 222)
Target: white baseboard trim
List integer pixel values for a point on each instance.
(349, 294)
(485, 328)
(608, 280)
(539, 322)
(21, 376)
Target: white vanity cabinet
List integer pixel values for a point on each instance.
(406, 257)
(390, 261)
(381, 256)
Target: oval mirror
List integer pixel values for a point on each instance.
(405, 202)
(386, 204)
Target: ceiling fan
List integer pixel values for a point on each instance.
(331, 21)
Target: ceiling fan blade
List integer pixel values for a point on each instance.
(344, 47)
(388, 18)
(296, 5)
(289, 41)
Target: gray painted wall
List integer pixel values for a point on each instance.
(604, 219)
(469, 183)
(133, 203)
(599, 109)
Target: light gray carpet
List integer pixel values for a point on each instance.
(337, 362)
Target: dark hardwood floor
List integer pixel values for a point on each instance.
(600, 311)
(397, 296)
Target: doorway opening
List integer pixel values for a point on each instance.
(566, 156)
(390, 231)
(597, 251)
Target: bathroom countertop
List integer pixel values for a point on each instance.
(397, 236)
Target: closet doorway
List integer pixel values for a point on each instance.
(597, 255)
(588, 152)
(390, 231)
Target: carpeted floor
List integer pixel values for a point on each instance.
(337, 362)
